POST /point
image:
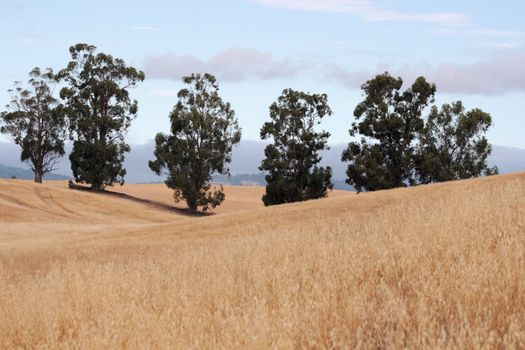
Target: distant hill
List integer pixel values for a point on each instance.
(248, 154)
(247, 157)
(258, 180)
(7, 172)
(241, 179)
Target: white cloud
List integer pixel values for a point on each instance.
(499, 75)
(496, 33)
(490, 38)
(501, 39)
(236, 64)
(365, 9)
(508, 44)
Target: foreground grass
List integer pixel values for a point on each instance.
(433, 267)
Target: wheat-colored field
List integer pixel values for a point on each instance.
(238, 198)
(438, 266)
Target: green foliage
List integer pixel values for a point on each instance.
(100, 111)
(203, 132)
(36, 122)
(398, 147)
(453, 145)
(388, 121)
(291, 160)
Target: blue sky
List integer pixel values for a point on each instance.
(472, 50)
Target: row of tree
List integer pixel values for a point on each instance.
(395, 144)
(94, 111)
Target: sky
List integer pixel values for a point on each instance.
(473, 50)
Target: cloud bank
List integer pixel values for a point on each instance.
(496, 76)
(233, 65)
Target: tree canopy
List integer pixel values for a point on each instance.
(399, 146)
(204, 130)
(453, 145)
(388, 121)
(292, 159)
(36, 122)
(100, 111)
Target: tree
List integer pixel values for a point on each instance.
(453, 145)
(36, 122)
(203, 132)
(100, 111)
(292, 159)
(388, 121)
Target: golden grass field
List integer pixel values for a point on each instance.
(437, 266)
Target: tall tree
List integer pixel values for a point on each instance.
(36, 122)
(292, 159)
(453, 144)
(388, 121)
(100, 111)
(203, 132)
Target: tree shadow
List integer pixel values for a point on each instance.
(151, 203)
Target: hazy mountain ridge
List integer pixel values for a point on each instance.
(247, 157)
(7, 172)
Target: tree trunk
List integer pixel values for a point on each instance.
(38, 176)
(97, 188)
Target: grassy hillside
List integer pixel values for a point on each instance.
(238, 198)
(437, 266)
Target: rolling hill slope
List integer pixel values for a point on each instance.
(437, 266)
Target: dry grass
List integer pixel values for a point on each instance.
(238, 198)
(440, 266)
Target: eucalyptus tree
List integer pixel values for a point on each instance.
(388, 122)
(291, 160)
(36, 121)
(204, 130)
(453, 144)
(100, 111)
